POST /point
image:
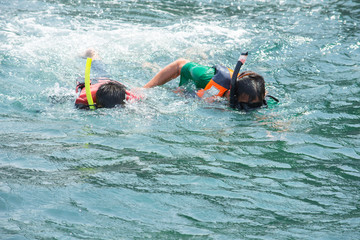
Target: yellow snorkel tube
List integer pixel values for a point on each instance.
(87, 83)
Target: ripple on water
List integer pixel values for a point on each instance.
(174, 167)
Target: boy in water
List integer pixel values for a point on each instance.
(214, 82)
(106, 93)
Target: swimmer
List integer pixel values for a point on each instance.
(106, 93)
(215, 82)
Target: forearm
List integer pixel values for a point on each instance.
(168, 73)
(162, 77)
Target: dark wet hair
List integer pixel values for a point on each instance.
(252, 85)
(110, 94)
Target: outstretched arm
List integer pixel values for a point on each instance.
(168, 73)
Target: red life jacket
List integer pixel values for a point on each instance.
(82, 102)
(219, 84)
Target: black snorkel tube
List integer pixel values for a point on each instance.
(233, 88)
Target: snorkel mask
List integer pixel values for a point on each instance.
(233, 89)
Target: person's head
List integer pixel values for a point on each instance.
(250, 90)
(110, 94)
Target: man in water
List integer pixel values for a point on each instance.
(106, 93)
(214, 82)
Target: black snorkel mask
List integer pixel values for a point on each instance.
(252, 106)
(233, 89)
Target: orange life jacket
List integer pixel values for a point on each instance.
(219, 84)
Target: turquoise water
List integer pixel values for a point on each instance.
(171, 167)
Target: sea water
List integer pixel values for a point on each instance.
(175, 167)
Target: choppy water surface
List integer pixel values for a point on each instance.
(171, 167)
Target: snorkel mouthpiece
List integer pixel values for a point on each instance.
(233, 88)
(243, 57)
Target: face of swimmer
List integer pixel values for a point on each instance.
(250, 90)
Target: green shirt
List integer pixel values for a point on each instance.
(198, 74)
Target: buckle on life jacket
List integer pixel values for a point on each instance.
(79, 85)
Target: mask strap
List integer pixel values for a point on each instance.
(274, 98)
(244, 74)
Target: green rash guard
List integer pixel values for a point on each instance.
(200, 75)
